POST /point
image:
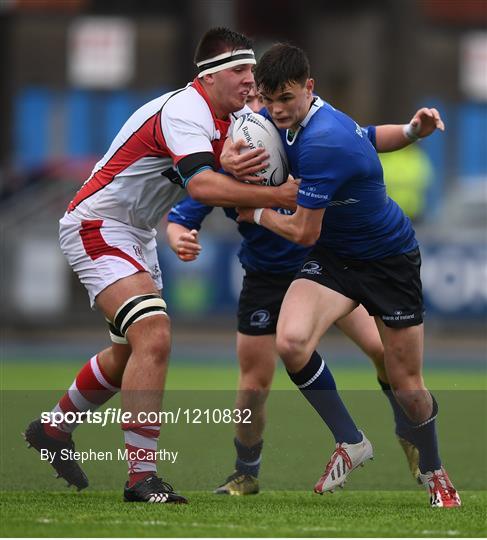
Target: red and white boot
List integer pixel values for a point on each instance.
(343, 461)
(442, 492)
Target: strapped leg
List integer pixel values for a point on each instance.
(115, 335)
(133, 310)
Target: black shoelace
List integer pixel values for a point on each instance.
(156, 484)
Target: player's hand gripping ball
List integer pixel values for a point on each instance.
(258, 132)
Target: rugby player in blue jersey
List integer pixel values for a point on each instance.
(270, 263)
(364, 251)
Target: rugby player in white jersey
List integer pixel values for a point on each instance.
(169, 145)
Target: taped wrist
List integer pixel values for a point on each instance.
(258, 215)
(410, 132)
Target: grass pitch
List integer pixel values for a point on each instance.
(269, 514)
(33, 504)
(186, 375)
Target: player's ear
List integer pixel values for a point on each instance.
(209, 79)
(310, 85)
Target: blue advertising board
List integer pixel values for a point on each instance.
(454, 280)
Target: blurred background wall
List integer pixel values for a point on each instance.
(72, 71)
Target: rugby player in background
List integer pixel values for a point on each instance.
(364, 251)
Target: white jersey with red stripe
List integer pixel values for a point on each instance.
(132, 183)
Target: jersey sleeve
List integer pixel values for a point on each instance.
(323, 169)
(189, 213)
(369, 132)
(187, 126)
(265, 113)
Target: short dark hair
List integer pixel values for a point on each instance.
(283, 63)
(219, 40)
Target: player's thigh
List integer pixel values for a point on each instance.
(105, 254)
(390, 289)
(115, 295)
(257, 358)
(308, 310)
(260, 302)
(360, 327)
(135, 306)
(258, 311)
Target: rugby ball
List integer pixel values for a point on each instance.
(259, 132)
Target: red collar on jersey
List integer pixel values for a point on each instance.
(221, 125)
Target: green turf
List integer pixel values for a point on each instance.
(269, 514)
(184, 375)
(286, 507)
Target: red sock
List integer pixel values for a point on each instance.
(90, 389)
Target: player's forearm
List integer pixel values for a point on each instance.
(289, 227)
(390, 137)
(393, 137)
(173, 233)
(211, 188)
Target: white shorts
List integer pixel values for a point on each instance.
(102, 251)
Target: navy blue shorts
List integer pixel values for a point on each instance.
(389, 288)
(260, 302)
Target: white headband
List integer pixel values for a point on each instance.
(225, 60)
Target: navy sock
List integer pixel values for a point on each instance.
(316, 383)
(402, 422)
(248, 458)
(423, 436)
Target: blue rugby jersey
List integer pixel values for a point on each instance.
(261, 250)
(340, 170)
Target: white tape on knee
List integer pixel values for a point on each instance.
(115, 334)
(137, 308)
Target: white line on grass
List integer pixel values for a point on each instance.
(440, 533)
